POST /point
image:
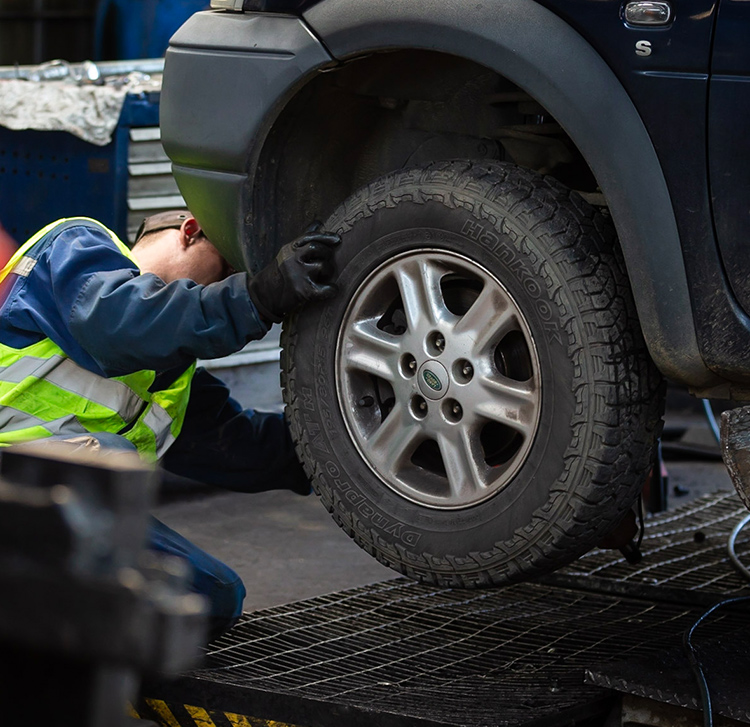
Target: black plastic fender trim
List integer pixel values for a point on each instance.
(226, 77)
(216, 199)
(542, 54)
(216, 96)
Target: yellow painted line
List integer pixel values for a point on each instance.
(164, 713)
(238, 720)
(200, 716)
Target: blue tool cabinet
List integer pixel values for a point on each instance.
(46, 175)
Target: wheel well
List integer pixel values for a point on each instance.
(394, 110)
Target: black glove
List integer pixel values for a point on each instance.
(303, 270)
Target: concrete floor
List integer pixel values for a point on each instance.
(288, 548)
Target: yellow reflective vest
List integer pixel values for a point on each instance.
(44, 393)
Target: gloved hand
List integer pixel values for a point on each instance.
(303, 270)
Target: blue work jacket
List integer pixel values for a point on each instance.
(93, 302)
(110, 318)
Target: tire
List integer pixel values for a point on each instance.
(491, 426)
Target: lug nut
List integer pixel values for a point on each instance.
(418, 407)
(463, 371)
(366, 401)
(452, 411)
(408, 365)
(439, 343)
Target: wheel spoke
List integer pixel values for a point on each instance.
(419, 284)
(509, 402)
(371, 350)
(488, 320)
(394, 441)
(462, 464)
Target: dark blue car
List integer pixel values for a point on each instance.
(544, 207)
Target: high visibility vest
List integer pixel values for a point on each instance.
(44, 393)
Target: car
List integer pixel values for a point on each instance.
(542, 206)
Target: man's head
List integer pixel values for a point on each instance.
(172, 245)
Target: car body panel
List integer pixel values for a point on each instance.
(620, 109)
(696, 108)
(542, 54)
(729, 143)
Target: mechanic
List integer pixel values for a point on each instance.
(98, 346)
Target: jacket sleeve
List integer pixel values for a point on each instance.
(129, 321)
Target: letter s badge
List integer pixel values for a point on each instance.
(643, 48)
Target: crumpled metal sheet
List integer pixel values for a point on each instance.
(88, 112)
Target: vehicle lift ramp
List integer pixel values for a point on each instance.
(601, 637)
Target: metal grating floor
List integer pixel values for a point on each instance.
(397, 653)
(683, 550)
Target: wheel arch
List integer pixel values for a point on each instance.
(541, 54)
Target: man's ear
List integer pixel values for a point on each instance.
(190, 231)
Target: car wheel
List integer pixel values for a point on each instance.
(477, 405)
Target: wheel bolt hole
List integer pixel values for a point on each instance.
(408, 365)
(463, 371)
(452, 410)
(419, 407)
(435, 343)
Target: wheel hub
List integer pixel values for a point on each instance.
(438, 379)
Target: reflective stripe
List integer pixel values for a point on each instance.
(68, 375)
(25, 266)
(14, 420)
(159, 421)
(18, 254)
(19, 370)
(30, 434)
(67, 425)
(45, 393)
(40, 398)
(106, 392)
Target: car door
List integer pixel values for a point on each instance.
(729, 143)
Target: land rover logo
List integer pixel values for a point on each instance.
(431, 380)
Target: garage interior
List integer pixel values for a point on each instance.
(330, 636)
